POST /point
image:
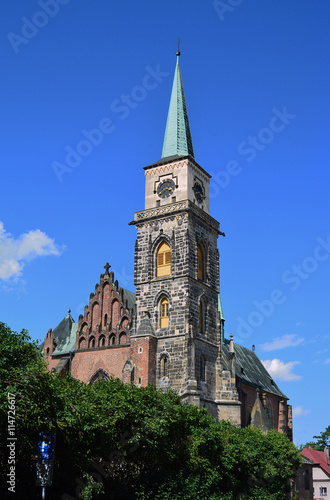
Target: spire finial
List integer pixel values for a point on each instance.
(231, 344)
(69, 310)
(178, 51)
(107, 267)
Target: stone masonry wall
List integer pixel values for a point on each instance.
(183, 232)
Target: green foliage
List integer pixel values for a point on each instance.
(322, 441)
(93, 489)
(132, 443)
(17, 351)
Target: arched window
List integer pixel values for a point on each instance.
(99, 375)
(122, 338)
(82, 343)
(202, 367)
(164, 313)
(202, 316)
(112, 339)
(115, 314)
(102, 341)
(200, 263)
(163, 259)
(105, 319)
(96, 316)
(91, 342)
(163, 366)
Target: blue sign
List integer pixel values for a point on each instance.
(46, 447)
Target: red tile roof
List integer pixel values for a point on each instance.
(318, 458)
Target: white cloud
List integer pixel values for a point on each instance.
(282, 342)
(280, 370)
(299, 412)
(327, 361)
(312, 341)
(322, 351)
(15, 252)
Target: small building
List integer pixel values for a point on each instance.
(321, 471)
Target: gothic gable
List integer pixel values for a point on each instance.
(107, 319)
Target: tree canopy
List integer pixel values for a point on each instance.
(322, 441)
(119, 441)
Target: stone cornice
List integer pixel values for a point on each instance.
(203, 284)
(173, 209)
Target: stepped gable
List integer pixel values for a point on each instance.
(107, 319)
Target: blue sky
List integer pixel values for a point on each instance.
(256, 80)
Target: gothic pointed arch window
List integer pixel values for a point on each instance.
(82, 343)
(99, 375)
(91, 342)
(201, 262)
(122, 338)
(115, 313)
(102, 341)
(202, 367)
(163, 260)
(164, 313)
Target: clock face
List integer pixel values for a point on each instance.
(199, 193)
(165, 188)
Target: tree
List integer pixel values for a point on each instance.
(322, 441)
(128, 442)
(25, 390)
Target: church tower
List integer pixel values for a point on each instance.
(178, 330)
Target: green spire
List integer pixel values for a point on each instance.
(177, 140)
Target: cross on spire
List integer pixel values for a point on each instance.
(107, 267)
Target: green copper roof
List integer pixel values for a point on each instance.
(65, 336)
(177, 140)
(250, 370)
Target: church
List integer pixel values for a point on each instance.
(170, 332)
